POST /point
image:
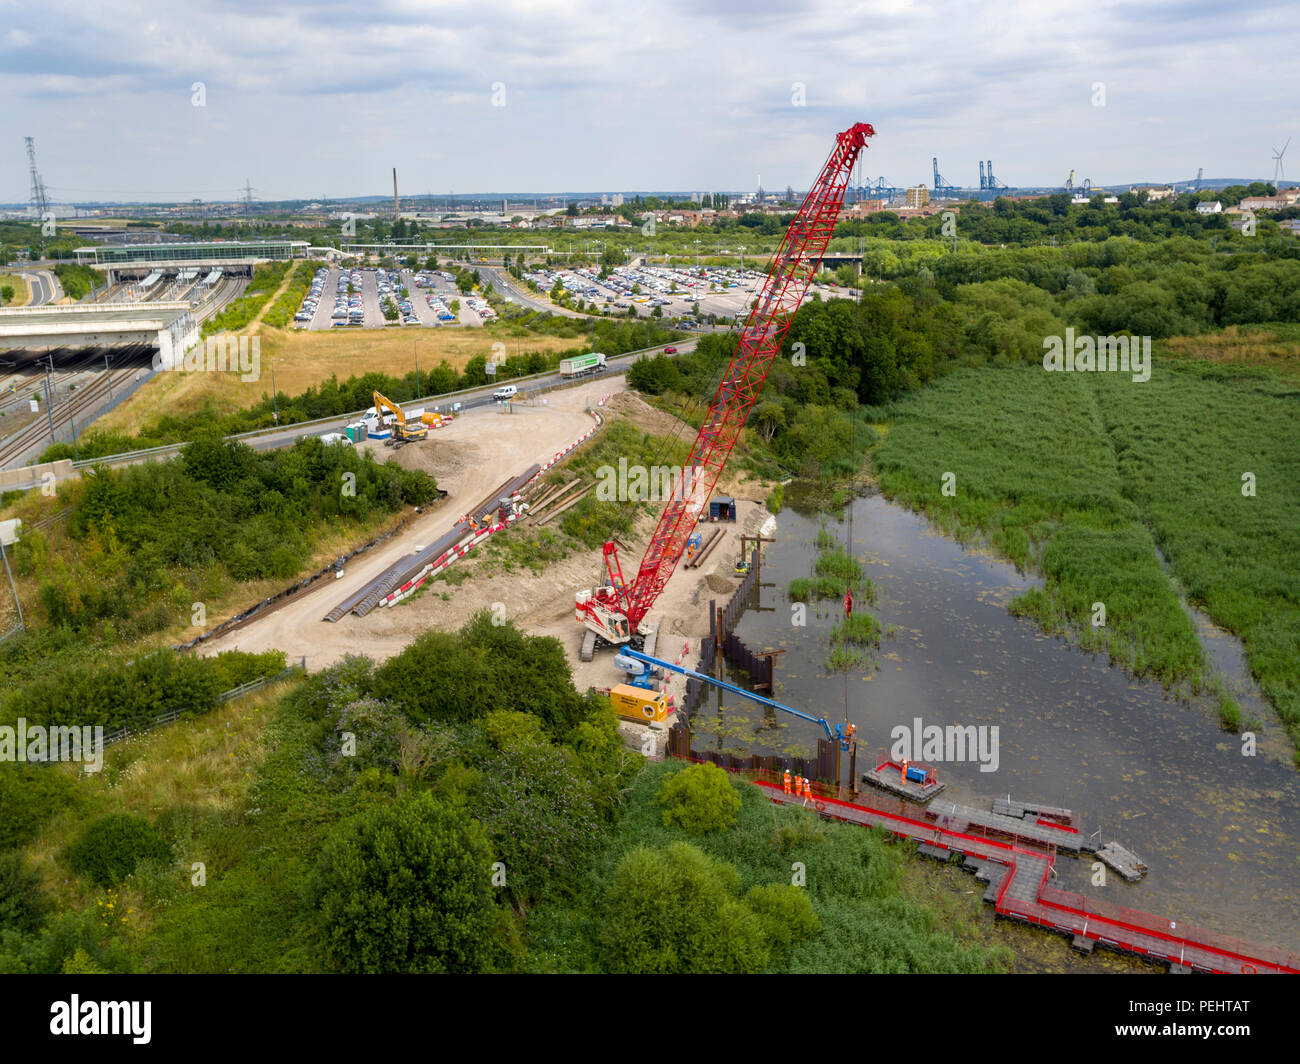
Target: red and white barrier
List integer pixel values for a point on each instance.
(465, 546)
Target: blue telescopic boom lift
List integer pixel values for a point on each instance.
(842, 733)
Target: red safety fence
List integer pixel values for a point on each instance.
(1170, 931)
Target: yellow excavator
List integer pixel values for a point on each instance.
(402, 432)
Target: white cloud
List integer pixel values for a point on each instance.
(324, 98)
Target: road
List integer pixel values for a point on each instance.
(470, 399)
(45, 286)
(508, 286)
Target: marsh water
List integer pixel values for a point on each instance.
(1219, 831)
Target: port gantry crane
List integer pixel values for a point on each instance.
(614, 614)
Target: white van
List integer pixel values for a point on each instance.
(508, 392)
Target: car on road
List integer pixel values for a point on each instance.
(670, 350)
(508, 392)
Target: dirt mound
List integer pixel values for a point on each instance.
(442, 459)
(647, 418)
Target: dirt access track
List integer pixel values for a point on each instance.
(470, 458)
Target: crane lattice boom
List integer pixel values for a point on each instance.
(791, 272)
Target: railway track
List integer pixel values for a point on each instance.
(226, 293)
(79, 385)
(79, 408)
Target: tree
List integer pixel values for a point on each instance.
(698, 799)
(675, 911)
(769, 417)
(542, 816)
(6, 294)
(405, 888)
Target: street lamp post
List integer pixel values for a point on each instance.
(415, 347)
(742, 262)
(275, 403)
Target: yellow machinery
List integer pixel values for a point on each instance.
(633, 703)
(401, 431)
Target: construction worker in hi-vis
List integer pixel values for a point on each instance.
(786, 782)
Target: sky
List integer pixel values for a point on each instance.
(177, 101)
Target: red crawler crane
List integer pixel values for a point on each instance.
(614, 614)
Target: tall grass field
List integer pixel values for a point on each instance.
(1083, 476)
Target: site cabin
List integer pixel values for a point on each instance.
(633, 703)
(722, 508)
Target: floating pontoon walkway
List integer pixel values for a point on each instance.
(1014, 856)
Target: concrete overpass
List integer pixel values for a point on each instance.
(171, 327)
(834, 260)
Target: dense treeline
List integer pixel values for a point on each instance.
(140, 541)
(1116, 286)
(133, 694)
(281, 312)
(937, 308)
(1047, 218)
(77, 281)
(460, 808)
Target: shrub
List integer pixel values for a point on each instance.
(675, 911)
(22, 902)
(542, 818)
(405, 888)
(112, 846)
(698, 799)
(786, 912)
(29, 796)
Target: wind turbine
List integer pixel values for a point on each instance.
(1277, 161)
